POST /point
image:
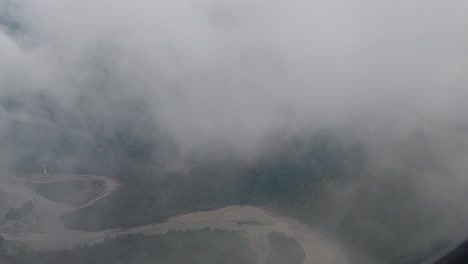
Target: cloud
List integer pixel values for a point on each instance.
(233, 71)
(227, 75)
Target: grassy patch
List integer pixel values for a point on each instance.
(74, 193)
(284, 250)
(195, 247)
(20, 213)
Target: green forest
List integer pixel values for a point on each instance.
(178, 247)
(296, 177)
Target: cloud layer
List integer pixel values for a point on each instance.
(231, 72)
(235, 75)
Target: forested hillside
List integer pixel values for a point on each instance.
(190, 247)
(324, 179)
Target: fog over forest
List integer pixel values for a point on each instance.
(372, 93)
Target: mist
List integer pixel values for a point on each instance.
(205, 79)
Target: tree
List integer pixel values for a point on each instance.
(2, 245)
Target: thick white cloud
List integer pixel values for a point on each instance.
(233, 71)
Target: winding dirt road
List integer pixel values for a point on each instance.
(252, 221)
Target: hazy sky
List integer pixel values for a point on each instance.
(232, 72)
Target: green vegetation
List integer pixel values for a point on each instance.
(146, 199)
(145, 202)
(2, 246)
(292, 181)
(74, 193)
(384, 214)
(20, 213)
(380, 222)
(178, 247)
(384, 219)
(284, 250)
(251, 222)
